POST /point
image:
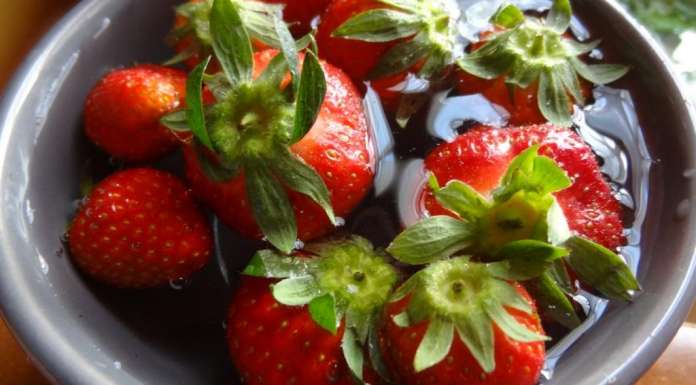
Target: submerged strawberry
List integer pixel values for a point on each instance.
(192, 37)
(382, 41)
(457, 323)
(140, 228)
(305, 319)
(532, 67)
(276, 155)
(123, 111)
(504, 202)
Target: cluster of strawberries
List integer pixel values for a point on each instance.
(276, 144)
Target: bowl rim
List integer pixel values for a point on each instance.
(53, 365)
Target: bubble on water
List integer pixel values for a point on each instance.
(596, 54)
(340, 222)
(65, 237)
(299, 245)
(224, 325)
(179, 283)
(43, 265)
(118, 365)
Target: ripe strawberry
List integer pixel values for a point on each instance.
(279, 336)
(459, 324)
(192, 38)
(123, 110)
(532, 67)
(139, 228)
(481, 157)
(287, 153)
(531, 199)
(372, 40)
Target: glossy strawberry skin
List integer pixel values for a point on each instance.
(517, 363)
(481, 157)
(122, 112)
(356, 58)
(140, 228)
(273, 344)
(337, 147)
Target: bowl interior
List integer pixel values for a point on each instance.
(85, 334)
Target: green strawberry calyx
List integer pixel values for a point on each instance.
(522, 231)
(531, 51)
(467, 297)
(250, 127)
(259, 19)
(343, 282)
(428, 29)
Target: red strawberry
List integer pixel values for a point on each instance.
(191, 34)
(533, 67)
(481, 157)
(373, 50)
(336, 148)
(277, 337)
(449, 329)
(140, 228)
(123, 110)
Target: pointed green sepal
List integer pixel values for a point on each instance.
(323, 312)
(310, 96)
(435, 345)
(231, 41)
(194, 100)
(380, 25)
(431, 239)
(602, 269)
(296, 291)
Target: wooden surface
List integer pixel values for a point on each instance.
(22, 22)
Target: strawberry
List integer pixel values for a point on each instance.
(277, 155)
(280, 334)
(192, 37)
(382, 41)
(123, 110)
(139, 228)
(481, 157)
(498, 339)
(540, 215)
(533, 67)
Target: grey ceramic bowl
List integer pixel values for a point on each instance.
(80, 335)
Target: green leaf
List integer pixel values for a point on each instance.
(299, 176)
(288, 48)
(509, 16)
(576, 48)
(402, 320)
(553, 302)
(531, 172)
(271, 207)
(231, 41)
(601, 268)
(375, 352)
(408, 106)
(461, 198)
(310, 96)
(570, 82)
(510, 326)
(431, 239)
(323, 312)
(527, 259)
(296, 291)
(553, 100)
(400, 58)
(353, 353)
(435, 345)
(176, 121)
(491, 60)
(522, 74)
(559, 16)
(402, 291)
(559, 273)
(380, 25)
(194, 101)
(600, 73)
(557, 225)
(269, 264)
(476, 332)
(406, 5)
(509, 296)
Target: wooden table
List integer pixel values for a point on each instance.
(22, 22)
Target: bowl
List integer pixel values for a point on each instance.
(79, 333)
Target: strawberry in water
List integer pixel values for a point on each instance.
(140, 228)
(531, 198)
(277, 155)
(123, 111)
(305, 319)
(384, 41)
(455, 322)
(533, 67)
